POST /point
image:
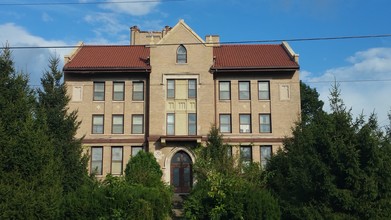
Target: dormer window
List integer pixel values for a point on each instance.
(181, 54)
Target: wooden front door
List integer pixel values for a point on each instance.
(181, 172)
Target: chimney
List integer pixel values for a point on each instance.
(133, 32)
(166, 30)
(212, 40)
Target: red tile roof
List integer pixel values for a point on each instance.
(109, 58)
(260, 56)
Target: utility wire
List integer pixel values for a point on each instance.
(227, 43)
(292, 83)
(86, 3)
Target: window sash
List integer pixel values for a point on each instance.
(136, 149)
(138, 91)
(181, 56)
(118, 124)
(97, 124)
(263, 90)
(170, 88)
(96, 160)
(266, 152)
(137, 124)
(245, 123)
(225, 123)
(99, 91)
(116, 160)
(246, 153)
(192, 91)
(264, 123)
(118, 91)
(170, 124)
(225, 90)
(192, 124)
(244, 90)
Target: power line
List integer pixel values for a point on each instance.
(86, 3)
(307, 82)
(227, 42)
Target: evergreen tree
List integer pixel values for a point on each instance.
(333, 167)
(143, 169)
(62, 127)
(310, 103)
(29, 185)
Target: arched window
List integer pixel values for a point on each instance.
(181, 54)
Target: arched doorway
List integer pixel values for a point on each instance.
(181, 172)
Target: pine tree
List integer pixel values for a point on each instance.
(62, 125)
(29, 184)
(333, 167)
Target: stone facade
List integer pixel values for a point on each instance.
(184, 92)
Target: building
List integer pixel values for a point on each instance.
(164, 91)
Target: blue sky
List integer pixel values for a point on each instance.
(362, 65)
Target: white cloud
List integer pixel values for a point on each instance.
(365, 83)
(136, 8)
(31, 61)
(107, 27)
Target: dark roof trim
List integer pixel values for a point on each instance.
(253, 69)
(106, 70)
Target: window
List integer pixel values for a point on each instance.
(97, 124)
(170, 124)
(99, 91)
(118, 91)
(229, 151)
(264, 123)
(266, 153)
(137, 124)
(136, 149)
(116, 160)
(245, 123)
(96, 160)
(138, 91)
(246, 155)
(263, 91)
(192, 91)
(225, 90)
(244, 90)
(170, 88)
(225, 123)
(192, 123)
(181, 54)
(118, 124)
